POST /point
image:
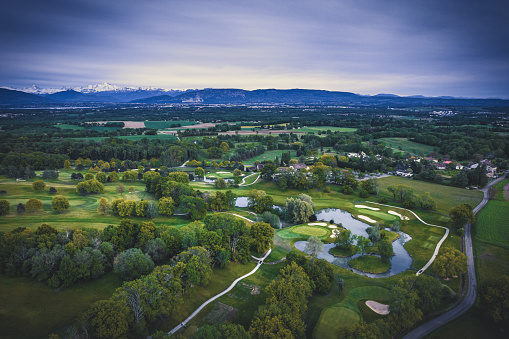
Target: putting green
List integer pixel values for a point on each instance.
(333, 318)
(309, 230)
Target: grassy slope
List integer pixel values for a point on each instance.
(29, 309)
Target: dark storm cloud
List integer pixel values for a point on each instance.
(367, 46)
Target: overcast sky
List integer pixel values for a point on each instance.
(405, 47)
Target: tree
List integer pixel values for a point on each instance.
(132, 264)
(38, 185)
(156, 249)
(385, 250)
(344, 239)
(67, 165)
(462, 215)
(166, 206)
(450, 262)
(20, 209)
(194, 207)
(113, 176)
(199, 172)
(314, 246)
(151, 211)
(298, 210)
(33, 205)
(89, 176)
(220, 183)
(89, 186)
(103, 207)
(426, 201)
(101, 177)
(60, 203)
(262, 234)
(5, 207)
(221, 331)
(494, 300)
(373, 233)
(141, 208)
(52, 190)
(362, 243)
(120, 189)
(108, 319)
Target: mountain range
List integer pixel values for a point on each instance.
(106, 93)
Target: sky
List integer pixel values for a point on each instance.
(405, 47)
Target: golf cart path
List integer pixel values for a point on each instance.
(183, 324)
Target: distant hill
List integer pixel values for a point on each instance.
(154, 96)
(12, 98)
(270, 96)
(313, 97)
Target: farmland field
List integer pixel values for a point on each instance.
(135, 137)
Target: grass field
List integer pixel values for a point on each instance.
(370, 264)
(406, 145)
(269, 155)
(29, 309)
(446, 197)
(492, 222)
(67, 126)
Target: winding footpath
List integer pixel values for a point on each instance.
(183, 324)
(243, 183)
(471, 294)
(437, 248)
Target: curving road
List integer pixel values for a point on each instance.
(471, 294)
(183, 324)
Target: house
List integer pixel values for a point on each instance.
(299, 166)
(441, 166)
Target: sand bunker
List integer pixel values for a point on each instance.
(377, 307)
(402, 217)
(317, 224)
(333, 226)
(223, 172)
(333, 236)
(365, 218)
(368, 207)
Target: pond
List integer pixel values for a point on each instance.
(243, 202)
(400, 262)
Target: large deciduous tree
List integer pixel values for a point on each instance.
(60, 203)
(462, 215)
(450, 262)
(261, 235)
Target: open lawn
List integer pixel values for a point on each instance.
(492, 224)
(370, 264)
(29, 309)
(406, 145)
(446, 197)
(269, 155)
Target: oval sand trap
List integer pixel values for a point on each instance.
(402, 217)
(317, 224)
(365, 218)
(223, 172)
(377, 307)
(368, 207)
(333, 226)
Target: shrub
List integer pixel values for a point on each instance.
(38, 185)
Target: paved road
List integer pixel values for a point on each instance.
(471, 294)
(183, 324)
